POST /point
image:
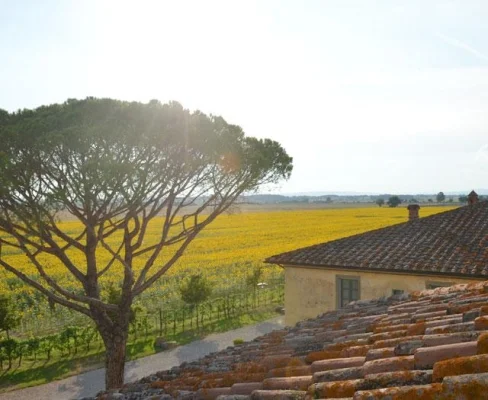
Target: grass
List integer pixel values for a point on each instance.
(33, 373)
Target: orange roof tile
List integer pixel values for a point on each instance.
(413, 364)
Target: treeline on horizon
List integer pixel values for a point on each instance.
(333, 198)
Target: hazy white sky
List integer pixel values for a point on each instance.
(375, 96)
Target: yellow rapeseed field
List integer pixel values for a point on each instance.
(228, 249)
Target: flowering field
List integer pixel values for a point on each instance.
(232, 247)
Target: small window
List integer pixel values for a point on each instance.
(397, 292)
(435, 285)
(347, 290)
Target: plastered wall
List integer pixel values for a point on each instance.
(312, 291)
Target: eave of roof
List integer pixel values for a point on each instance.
(384, 270)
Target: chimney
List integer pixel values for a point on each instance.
(413, 212)
(473, 198)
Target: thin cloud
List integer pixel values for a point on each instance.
(461, 45)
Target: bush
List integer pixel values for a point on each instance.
(194, 291)
(9, 318)
(47, 344)
(9, 348)
(238, 341)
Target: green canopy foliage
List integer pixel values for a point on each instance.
(195, 290)
(394, 201)
(114, 166)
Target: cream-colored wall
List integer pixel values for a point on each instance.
(312, 291)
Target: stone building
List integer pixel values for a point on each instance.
(423, 253)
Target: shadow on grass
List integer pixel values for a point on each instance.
(43, 372)
(139, 348)
(241, 321)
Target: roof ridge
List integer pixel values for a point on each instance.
(459, 287)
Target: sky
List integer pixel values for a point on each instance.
(366, 96)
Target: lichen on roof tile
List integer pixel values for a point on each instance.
(412, 363)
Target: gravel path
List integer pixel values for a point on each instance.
(90, 383)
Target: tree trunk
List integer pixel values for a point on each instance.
(198, 325)
(160, 322)
(115, 349)
(114, 336)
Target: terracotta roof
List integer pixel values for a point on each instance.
(427, 345)
(453, 243)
